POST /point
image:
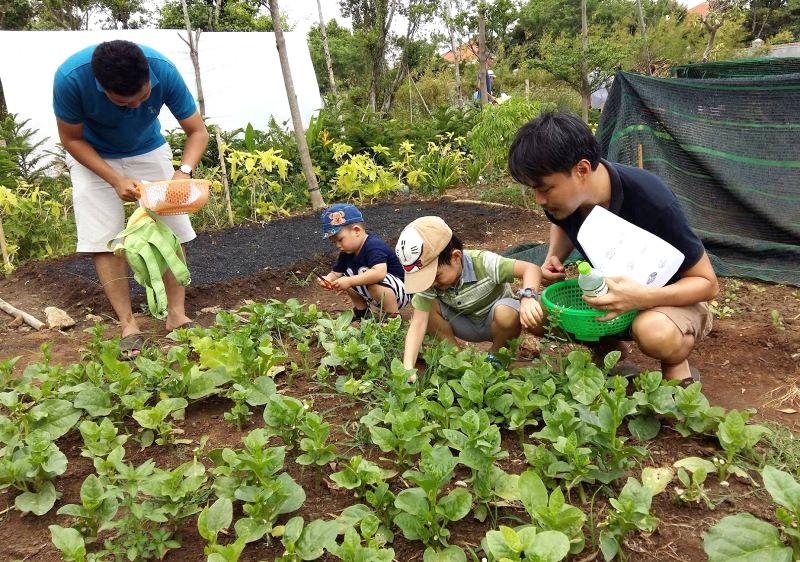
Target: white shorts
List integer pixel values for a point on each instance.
(99, 214)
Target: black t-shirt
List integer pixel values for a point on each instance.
(641, 198)
(373, 252)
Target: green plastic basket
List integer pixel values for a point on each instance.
(569, 312)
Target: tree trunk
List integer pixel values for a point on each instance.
(326, 48)
(3, 106)
(456, 53)
(192, 42)
(380, 50)
(643, 30)
(484, 94)
(586, 95)
(712, 33)
(299, 132)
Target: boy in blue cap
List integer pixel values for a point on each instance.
(367, 268)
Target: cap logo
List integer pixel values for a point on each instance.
(414, 267)
(336, 218)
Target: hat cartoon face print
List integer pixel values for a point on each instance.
(409, 250)
(418, 250)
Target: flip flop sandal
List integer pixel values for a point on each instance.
(690, 380)
(186, 326)
(130, 347)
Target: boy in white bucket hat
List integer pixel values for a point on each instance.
(461, 293)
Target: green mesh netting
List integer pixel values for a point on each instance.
(730, 151)
(767, 66)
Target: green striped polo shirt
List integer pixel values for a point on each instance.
(485, 278)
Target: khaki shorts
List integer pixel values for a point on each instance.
(692, 320)
(99, 214)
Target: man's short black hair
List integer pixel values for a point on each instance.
(551, 143)
(446, 255)
(120, 67)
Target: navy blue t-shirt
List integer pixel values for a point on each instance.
(641, 198)
(373, 252)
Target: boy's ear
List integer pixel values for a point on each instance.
(455, 257)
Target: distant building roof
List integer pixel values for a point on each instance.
(466, 52)
(701, 9)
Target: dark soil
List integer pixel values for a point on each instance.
(750, 360)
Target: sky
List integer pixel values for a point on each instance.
(304, 13)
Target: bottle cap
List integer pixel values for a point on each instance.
(584, 268)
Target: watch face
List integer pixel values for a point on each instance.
(186, 169)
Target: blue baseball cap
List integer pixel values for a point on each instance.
(335, 217)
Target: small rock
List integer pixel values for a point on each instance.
(25, 329)
(94, 318)
(211, 310)
(16, 322)
(57, 319)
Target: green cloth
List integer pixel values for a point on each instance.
(728, 149)
(151, 249)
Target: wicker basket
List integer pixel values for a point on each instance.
(174, 197)
(569, 312)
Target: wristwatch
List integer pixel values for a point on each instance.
(527, 293)
(186, 169)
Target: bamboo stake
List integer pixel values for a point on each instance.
(225, 189)
(15, 312)
(640, 155)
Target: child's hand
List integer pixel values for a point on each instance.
(342, 283)
(531, 314)
(324, 282)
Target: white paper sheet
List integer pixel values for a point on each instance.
(617, 247)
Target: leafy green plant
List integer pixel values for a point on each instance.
(630, 511)
(424, 511)
(70, 543)
(284, 417)
(213, 520)
(97, 509)
(476, 439)
(736, 437)
(359, 176)
(256, 177)
(361, 475)
(491, 137)
(30, 465)
(363, 540)
(746, 536)
(525, 545)
(252, 475)
(692, 474)
(306, 542)
(317, 452)
(154, 422)
(551, 513)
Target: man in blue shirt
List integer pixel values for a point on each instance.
(557, 155)
(106, 99)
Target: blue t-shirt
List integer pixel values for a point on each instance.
(641, 198)
(373, 252)
(114, 131)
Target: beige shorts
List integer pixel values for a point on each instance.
(692, 320)
(99, 214)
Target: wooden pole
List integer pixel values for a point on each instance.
(527, 89)
(225, 189)
(16, 313)
(4, 246)
(640, 155)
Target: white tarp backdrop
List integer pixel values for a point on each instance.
(240, 72)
